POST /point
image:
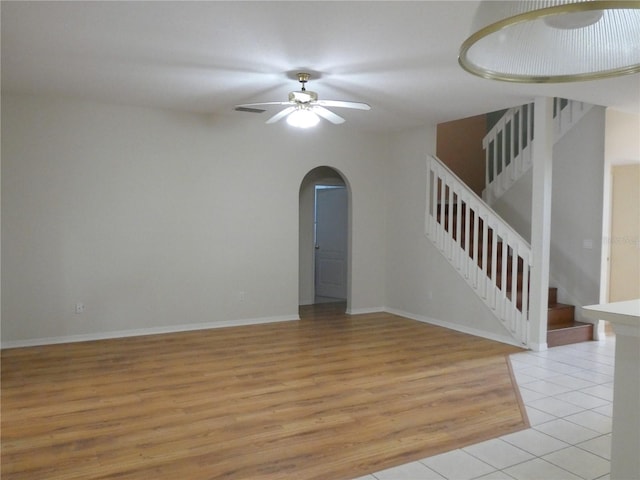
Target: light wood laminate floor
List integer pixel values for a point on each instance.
(329, 397)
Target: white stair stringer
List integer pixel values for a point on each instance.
(509, 143)
(492, 257)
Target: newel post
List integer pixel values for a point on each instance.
(542, 155)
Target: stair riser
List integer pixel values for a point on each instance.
(561, 315)
(567, 336)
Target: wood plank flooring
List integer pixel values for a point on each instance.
(329, 397)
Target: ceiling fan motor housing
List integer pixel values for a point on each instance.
(303, 96)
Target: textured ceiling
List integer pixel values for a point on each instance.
(399, 57)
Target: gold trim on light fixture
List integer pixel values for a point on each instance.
(582, 6)
(303, 77)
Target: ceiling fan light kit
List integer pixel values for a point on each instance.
(547, 41)
(303, 118)
(304, 110)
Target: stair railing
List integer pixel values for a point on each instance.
(508, 144)
(492, 257)
(507, 149)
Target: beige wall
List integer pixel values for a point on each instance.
(620, 257)
(624, 281)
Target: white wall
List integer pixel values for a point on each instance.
(156, 219)
(515, 205)
(622, 137)
(576, 210)
(420, 282)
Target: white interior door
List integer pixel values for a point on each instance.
(331, 242)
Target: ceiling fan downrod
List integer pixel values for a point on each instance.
(303, 78)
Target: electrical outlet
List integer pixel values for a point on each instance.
(242, 296)
(79, 307)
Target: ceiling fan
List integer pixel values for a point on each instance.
(303, 108)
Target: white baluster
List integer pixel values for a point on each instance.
(434, 203)
(443, 189)
(450, 200)
(467, 235)
(494, 262)
(448, 196)
(514, 284)
(459, 246)
(503, 275)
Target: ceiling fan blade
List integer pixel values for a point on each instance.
(327, 114)
(281, 114)
(341, 104)
(251, 105)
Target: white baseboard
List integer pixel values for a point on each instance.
(247, 322)
(362, 311)
(145, 331)
(454, 326)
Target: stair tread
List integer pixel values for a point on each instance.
(558, 306)
(569, 325)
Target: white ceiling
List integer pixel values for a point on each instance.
(399, 57)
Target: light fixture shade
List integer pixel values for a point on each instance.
(541, 41)
(303, 118)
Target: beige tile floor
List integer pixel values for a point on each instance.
(567, 392)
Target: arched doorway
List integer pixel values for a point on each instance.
(324, 238)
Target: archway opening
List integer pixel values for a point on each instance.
(324, 240)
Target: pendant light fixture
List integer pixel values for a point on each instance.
(545, 41)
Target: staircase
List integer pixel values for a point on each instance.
(493, 258)
(508, 146)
